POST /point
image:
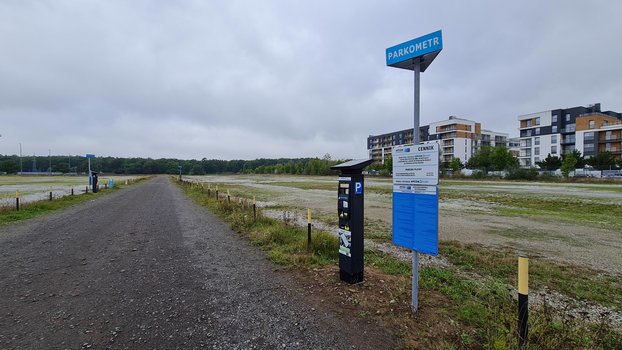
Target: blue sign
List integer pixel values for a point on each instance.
(358, 188)
(418, 47)
(90, 156)
(415, 221)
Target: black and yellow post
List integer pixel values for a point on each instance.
(17, 200)
(254, 209)
(308, 227)
(523, 300)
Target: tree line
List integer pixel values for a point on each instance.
(138, 166)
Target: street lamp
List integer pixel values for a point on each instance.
(179, 172)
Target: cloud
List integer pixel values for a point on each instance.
(242, 79)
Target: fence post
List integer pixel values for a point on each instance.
(216, 193)
(523, 300)
(254, 209)
(87, 189)
(72, 191)
(228, 198)
(50, 193)
(17, 200)
(308, 227)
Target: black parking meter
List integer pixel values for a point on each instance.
(94, 181)
(351, 219)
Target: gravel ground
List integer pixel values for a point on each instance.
(145, 268)
(467, 221)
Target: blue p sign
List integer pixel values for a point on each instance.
(358, 188)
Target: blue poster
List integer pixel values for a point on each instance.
(415, 221)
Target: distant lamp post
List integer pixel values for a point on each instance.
(179, 172)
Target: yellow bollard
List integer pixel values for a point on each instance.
(523, 300)
(254, 209)
(308, 227)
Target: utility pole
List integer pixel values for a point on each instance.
(21, 166)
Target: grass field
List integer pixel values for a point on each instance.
(35, 188)
(572, 233)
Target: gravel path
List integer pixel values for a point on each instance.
(145, 268)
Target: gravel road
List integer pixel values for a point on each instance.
(145, 268)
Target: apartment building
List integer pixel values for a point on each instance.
(514, 146)
(555, 131)
(457, 137)
(597, 133)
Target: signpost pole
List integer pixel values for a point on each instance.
(415, 268)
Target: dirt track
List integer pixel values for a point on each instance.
(146, 268)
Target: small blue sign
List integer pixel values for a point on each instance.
(90, 156)
(415, 221)
(414, 48)
(358, 188)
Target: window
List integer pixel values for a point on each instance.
(536, 151)
(553, 149)
(605, 123)
(529, 123)
(537, 131)
(536, 159)
(567, 117)
(536, 141)
(554, 128)
(553, 138)
(588, 147)
(554, 118)
(588, 136)
(608, 135)
(537, 120)
(591, 124)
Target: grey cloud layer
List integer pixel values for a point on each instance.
(247, 79)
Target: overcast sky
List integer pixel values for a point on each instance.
(251, 79)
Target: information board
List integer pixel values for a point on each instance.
(415, 197)
(415, 165)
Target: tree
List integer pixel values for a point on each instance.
(502, 159)
(568, 164)
(9, 166)
(455, 164)
(490, 158)
(578, 156)
(603, 161)
(550, 163)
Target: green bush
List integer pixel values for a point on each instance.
(522, 174)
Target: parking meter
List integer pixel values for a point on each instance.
(94, 181)
(350, 202)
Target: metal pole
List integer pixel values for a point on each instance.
(21, 167)
(415, 268)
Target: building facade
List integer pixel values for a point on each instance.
(457, 138)
(554, 132)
